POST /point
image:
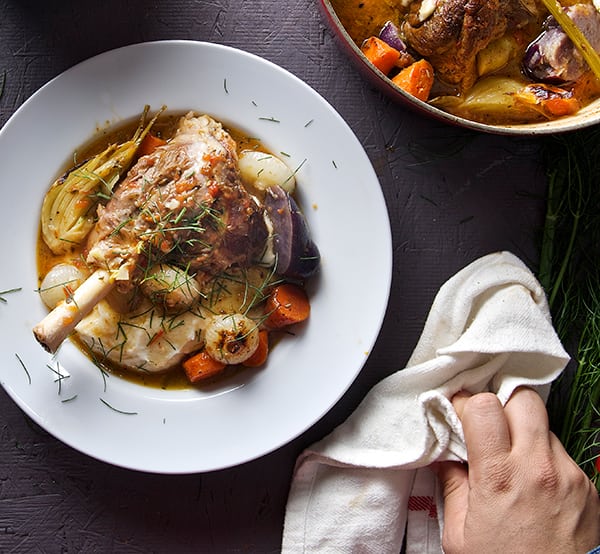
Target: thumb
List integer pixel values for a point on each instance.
(454, 480)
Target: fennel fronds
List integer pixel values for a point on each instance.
(570, 273)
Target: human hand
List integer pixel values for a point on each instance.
(521, 492)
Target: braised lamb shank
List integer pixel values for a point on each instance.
(182, 204)
(456, 30)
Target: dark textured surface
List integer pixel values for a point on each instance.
(453, 195)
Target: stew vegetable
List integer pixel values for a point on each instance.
(491, 61)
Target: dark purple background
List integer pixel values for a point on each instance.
(453, 195)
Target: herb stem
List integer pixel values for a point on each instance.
(8, 291)
(24, 368)
(116, 409)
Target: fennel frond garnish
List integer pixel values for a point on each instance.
(3, 293)
(570, 273)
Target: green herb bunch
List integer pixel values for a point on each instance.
(570, 273)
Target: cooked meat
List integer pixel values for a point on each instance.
(183, 204)
(457, 30)
(552, 57)
(143, 340)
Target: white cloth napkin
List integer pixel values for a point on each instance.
(361, 488)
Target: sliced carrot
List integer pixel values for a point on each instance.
(201, 366)
(380, 54)
(416, 79)
(558, 106)
(149, 144)
(549, 100)
(262, 351)
(287, 304)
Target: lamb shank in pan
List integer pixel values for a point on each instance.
(455, 31)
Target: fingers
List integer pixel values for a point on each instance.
(455, 488)
(486, 429)
(525, 415)
(527, 420)
(492, 431)
(518, 477)
(459, 400)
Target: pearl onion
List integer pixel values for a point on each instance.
(60, 283)
(261, 171)
(231, 338)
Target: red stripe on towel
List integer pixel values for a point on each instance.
(423, 504)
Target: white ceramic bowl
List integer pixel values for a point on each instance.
(183, 431)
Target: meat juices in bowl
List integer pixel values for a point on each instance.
(502, 66)
(186, 253)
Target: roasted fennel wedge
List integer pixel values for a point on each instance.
(69, 207)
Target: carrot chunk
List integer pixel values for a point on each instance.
(262, 351)
(149, 144)
(380, 54)
(549, 100)
(201, 366)
(558, 106)
(416, 79)
(287, 304)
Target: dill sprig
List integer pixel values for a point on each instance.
(270, 118)
(24, 367)
(116, 409)
(59, 376)
(3, 293)
(570, 275)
